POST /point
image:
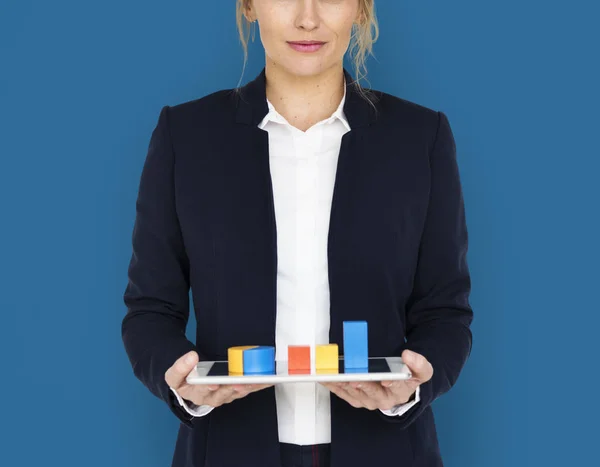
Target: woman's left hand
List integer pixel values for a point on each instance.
(386, 394)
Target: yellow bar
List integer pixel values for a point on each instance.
(327, 357)
(235, 358)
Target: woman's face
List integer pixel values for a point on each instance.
(284, 23)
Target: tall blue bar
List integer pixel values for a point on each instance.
(356, 347)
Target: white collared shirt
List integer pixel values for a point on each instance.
(303, 167)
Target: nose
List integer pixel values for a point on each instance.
(307, 17)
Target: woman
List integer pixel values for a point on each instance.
(290, 205)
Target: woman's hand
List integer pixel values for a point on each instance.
(386, 394)
(213, 395)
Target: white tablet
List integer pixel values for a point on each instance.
(380, 369)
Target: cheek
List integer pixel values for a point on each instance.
(268, 37)
(343, 32)
(272, 33)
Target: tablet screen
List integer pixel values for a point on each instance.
(376, 365)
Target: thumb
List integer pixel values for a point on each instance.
(176, 374)
(418, 365)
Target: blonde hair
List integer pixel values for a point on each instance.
(364, 35)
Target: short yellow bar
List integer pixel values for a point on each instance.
(235, 358)
(327, 357)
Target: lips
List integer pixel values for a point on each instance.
(306, 46)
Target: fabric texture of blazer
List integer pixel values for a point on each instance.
(397, 257)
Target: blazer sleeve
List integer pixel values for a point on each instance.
(438, 314)
(157, 292)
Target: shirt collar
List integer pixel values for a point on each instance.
(273, 115)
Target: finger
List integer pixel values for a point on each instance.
(228, 393)
(343, 394)
(333, 387)
(395, 386)
(196, 392)
(373, 391)
(352, 392)
(362, 385)
(259, 387)
(245, 389)
(242, 390)
(420, 367)
(237, 394)
(231, 398)
(398, 392)
(371, 394)
(342, 387)
(176, 374)
(370, 401)
(330, 385)
(220, 396)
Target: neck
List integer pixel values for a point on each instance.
(304, 100)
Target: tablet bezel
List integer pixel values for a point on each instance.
(398, 371)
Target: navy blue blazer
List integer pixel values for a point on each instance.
(397, 247)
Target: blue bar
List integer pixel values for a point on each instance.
(259, 360)
(356, 347)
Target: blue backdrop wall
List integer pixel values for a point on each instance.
(81, 86)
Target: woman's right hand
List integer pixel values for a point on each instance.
(213, 395)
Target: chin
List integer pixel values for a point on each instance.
(305, 68)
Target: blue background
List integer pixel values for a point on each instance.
(81, 86)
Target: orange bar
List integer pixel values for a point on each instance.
(298, 359)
